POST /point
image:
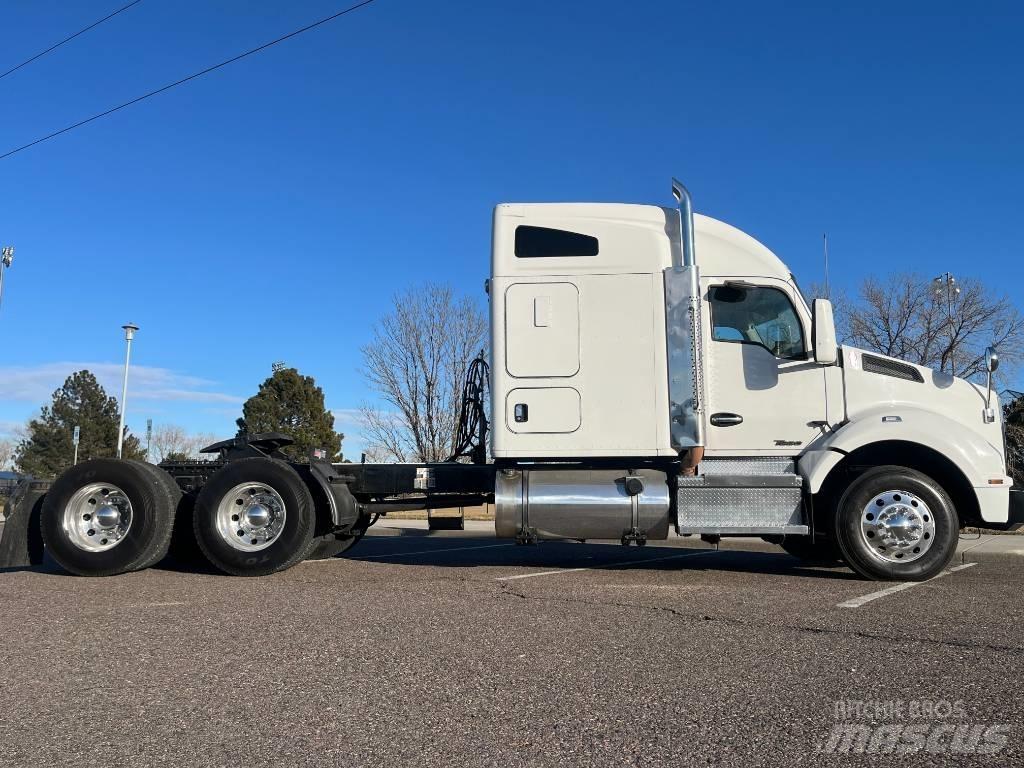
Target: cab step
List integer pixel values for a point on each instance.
(757, 497)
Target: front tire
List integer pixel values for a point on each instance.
(107, 516)
(895, 523)
(254, 517)
(812, 551)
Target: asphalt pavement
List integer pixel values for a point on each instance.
(459, 649)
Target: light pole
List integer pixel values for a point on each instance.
(6, 257)
(129, 334)
(946, 284)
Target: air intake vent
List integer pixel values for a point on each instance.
(892, 368)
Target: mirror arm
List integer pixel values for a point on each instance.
(991, 364)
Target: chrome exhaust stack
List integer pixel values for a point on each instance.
(683, 334)
(682, 196)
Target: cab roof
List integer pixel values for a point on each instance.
(631, 238)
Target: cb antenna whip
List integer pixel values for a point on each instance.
(828, 290)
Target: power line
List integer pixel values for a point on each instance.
(69, 39)
(183, 80)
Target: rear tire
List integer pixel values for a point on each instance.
(107, 516)
(254, 517)
(172, 499)
(185, 549)
(895, 523)
(331, 546)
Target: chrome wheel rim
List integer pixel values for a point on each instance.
(251, 516)
(98, 517)
(897, 527)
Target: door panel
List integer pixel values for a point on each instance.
(542, 330)
(549, 410)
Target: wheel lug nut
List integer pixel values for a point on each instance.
(86, 517)
(241, 532)
(234, 517)
(91, 532)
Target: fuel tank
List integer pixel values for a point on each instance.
(581, 504)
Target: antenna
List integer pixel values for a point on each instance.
(828, 288)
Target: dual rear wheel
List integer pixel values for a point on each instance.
(254, 517)
(105, 516)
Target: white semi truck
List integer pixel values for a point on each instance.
(649, 369)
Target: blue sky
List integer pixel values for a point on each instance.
(270, 210)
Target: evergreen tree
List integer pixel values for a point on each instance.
(81, 402)
(292, 404)
(1014, 414)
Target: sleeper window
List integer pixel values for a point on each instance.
(545, 243)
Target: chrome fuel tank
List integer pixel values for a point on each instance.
(581, 504)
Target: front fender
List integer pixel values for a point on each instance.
(980, 462)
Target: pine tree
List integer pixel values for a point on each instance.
(81, 402)
(292, 404)
(1014, 415)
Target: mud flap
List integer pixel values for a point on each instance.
(21, 542)
(1016, 519)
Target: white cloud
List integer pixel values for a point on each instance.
(351, 423)
(347, 417)
(36, 384)
(11, 429)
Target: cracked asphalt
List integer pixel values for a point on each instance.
(458, 649)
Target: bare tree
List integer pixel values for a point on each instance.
(904, 316)
(173, 442)
(7, 448)
(417, 362)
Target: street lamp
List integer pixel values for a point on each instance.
(946, 284)
(6, 257)
(129, 334)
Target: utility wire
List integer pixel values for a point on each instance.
(193, 76)
(68, 39)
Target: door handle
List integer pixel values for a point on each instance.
(726, 419)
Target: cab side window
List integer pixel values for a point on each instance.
(757, 315)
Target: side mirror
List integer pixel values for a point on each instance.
(991, 359)
(826, 351)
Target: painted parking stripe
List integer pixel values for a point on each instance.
(605, 566)
(857, 602)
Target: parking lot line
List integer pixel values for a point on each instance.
(606, 565)
(857, 602)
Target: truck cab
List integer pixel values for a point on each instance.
(652, 367)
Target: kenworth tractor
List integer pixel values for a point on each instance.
(649, 369)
